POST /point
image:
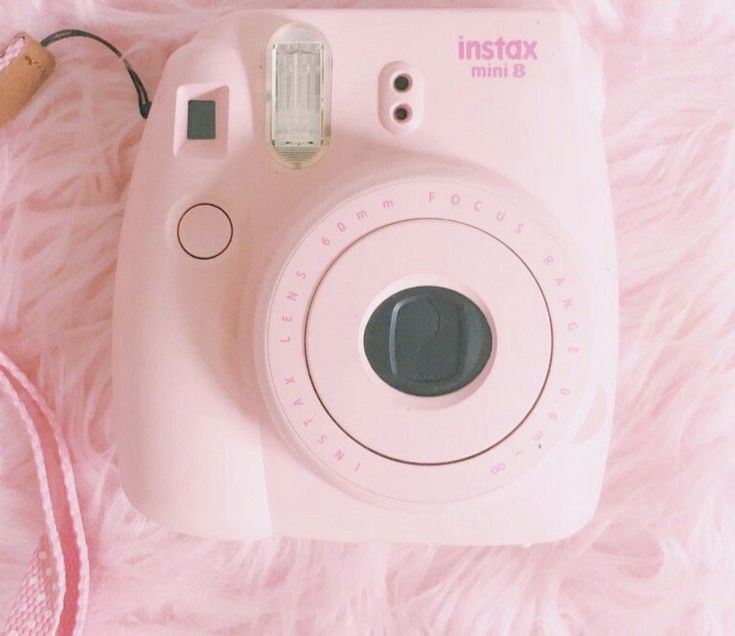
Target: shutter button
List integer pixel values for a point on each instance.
(204, 231)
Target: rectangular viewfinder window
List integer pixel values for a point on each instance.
(201, 119)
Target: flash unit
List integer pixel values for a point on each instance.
(299, 85)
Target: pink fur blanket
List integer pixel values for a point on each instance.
(659, 556)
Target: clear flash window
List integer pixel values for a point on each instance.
(298, 109)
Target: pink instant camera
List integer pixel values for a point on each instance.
(367, 285)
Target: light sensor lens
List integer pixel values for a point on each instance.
(402, 83)
(402, 113)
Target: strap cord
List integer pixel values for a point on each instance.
(144, 102)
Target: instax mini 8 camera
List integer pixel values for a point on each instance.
(366, 286)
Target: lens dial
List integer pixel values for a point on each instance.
(427, 341)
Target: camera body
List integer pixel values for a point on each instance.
(366, 285)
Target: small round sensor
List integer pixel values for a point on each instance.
(402, 113)
(402, 83)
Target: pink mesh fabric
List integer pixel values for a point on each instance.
(53, 596)
(38, 605)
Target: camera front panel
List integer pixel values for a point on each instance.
(426, 340)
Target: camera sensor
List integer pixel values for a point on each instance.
(402, 83)
(402, 113)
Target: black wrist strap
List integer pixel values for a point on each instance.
(144, 102)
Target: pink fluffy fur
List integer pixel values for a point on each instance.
(659, 556)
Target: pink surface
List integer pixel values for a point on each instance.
(658, 558)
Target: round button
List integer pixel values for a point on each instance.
(428, 341)
(204, 231)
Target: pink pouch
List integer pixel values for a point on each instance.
(54, 593)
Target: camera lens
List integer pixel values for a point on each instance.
(428, 341)
(402, 83)
(402, 113)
